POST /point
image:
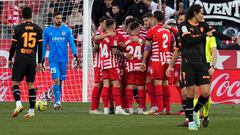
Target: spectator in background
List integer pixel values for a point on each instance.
(48, 17)
(117, 14)
(75, 20)
(107, 8)
(97, 11)
(124, 4)
(11, 14)
(137, 10)
(154, 6)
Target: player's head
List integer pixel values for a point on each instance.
(102, 22)
(195, 12)
(158, 16)
(134, 28)
(130, 20)
(27, 13)
(147, 20)
(110, 25)
(180, 17)
(57, 18)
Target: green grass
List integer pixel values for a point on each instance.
(75, 120)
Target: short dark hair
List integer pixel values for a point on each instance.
(148, 15)
(180, 14)
(158, 15)
(130, 20)
(56, 13)
(195, 8)
(27, 13)
(103, 18)
(134, 25)
(110, 22)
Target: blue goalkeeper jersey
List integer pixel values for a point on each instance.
(57, 39)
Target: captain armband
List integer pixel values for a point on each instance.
(147, 48)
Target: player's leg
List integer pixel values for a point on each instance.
(129, 95)
(116, 91)
(206, 107)
(166, 96)
(30, 77)
(55, 73)
(204, 82)
(159, 96)
(151, 90)
(18, 73)
(140, 82)
(189, 77)
(105, 91)
(96, 92)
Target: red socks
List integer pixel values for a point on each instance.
(166, 97)
(152, 94)
(159, 97)
(96, 93)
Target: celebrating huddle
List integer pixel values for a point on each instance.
(134, 58)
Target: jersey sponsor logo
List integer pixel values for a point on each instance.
(58, 39)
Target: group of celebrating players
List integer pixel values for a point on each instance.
(128, 59)
(135, 58)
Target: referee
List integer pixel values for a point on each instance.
(26, 42)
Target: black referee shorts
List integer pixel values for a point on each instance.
(195, 74)
(20, 70)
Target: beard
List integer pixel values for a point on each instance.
(58, 24)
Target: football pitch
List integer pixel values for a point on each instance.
(75, 120)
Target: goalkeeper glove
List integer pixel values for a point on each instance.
(75, 61)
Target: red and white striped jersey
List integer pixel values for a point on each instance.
(143, 32)
(136, 49)
(96, 60)
(161, 43)
(108, 60)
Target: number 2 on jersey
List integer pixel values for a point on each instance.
(29, 39)
(165, 40)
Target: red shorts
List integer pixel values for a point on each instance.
(136, 78)
(158, 71)
(176, 72)
(97, 75)
(111, 74)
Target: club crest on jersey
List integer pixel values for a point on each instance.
(63, 34)
(184, 29)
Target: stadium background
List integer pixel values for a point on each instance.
(79, 83)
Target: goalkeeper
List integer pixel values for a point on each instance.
(57, 38)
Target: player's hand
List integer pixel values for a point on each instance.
(10, 64)
(128, 56)
(166, 26)
(43, 65)
(134, 38)
(39, 67)
(143, 67)
(210, 33)
(211, 71)
(112, 34)
(168, 71)
(75, 61)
